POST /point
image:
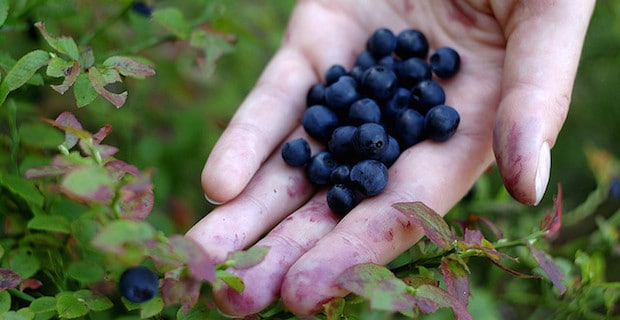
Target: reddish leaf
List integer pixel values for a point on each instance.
(549, 267)
(88, 184)
(455, 276)
(184, 291)
(102, 133)
(8, 279)
(553, 222)
(71, 75)
(200, 266)
(118, 168)
(68, 123)
(443, 299)
(46, 171)
(30, 283)
(129, 67)
(433, 224)
(100, 78)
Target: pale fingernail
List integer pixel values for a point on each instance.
(542, 172)
(213, 202)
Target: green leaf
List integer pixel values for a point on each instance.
(63, 44)
(125, 239)
(173, 20)
(198, 312)
(247, 258)
(23, 188)
(51, 223)
(147, 309)
(40, 135)
(129, 67)
(22, 71)
(231, 280)
(85, 271)
(5, 301)
(433, 224)
(94, 302)
(43, 304)
(4, 11)
(69, 306)
(88, 183)
(23, 261)
(100, 78)
(83, 90)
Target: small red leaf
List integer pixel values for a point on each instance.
(553, 222)
(99, 79)
(183, 291)
(456, 280)
(433, 224)
(8, 279)
(444, 299)
(545, 262)
(30, 283)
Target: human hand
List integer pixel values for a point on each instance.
(518, 64)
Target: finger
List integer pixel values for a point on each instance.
(275, 105)
(287, 242)
(541, 61)
(274, 192)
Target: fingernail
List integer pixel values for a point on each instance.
(542, 172)
(213, 202)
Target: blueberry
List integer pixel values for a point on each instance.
(381, 43)
(141, 8)
(334, 73)
(370, 140)
(356, 73)
(364, 111)
(391, 153)
(445, 62)
(441, 122)
(296, 153)
(340, 94)
(320, 168)
(365, 60)
(341, 142)
(138, 284)
(316, 94)
(613, 192)
(319, 121)
(409, 128)
(341, 199)
(413, 71)
(341, 174)
(369, 177)
(397, 103)
(379, 82)
(411, 43)
(389, 62)
(426, 95)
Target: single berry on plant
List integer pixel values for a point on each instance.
(138, 284)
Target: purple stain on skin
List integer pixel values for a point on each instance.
(514, 162)
(296, 187)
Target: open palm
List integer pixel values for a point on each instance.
(519, 60)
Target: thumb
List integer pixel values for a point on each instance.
(544, 42)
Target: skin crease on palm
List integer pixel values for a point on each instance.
(519, 60)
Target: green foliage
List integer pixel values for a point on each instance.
(78, 206)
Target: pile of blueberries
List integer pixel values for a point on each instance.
(387, 102)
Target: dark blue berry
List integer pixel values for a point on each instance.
(440, 122)
(356, 73)
(370, 140)
(334, 73)
(320, 168)
(409, 128)
(138, 284)
(426, 95)
(391, 153)
(141, 8)
(340, 174)
(296, 153)
(364, 111)
(341, 142)
(340, 94)
(613, 192)
(445, 62)
(411, 43)
(365, 60)
(413, 71)
(319, 121)
(341, 199)
(381, 43)
(379, 82)
(389, 62)
(397, 104)
(369, 177)
(316, 94)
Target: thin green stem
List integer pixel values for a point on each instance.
(21, 295)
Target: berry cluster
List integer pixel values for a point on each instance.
(387, 102)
